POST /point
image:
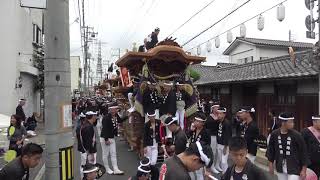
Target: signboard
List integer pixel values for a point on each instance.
(66, 115)
(38, 4)
(125, 77)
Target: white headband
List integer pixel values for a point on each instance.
(203, 157)
(222, 110)
(113, 107)
(251, 110)
(168, 84)
(142, 170)
(91, 170)
(199, 119)
(173, 120)
(215, 105)
(286, 119)
(315, 117)
(151, 114)
(82, 115)
(90, 113)
(141, 164)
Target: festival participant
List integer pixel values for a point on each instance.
(211, 126)
(179, 136)
(312, 138)
(223, 137)
(152, 39)
(181, 98)
(200, 134)
(249, 130)
(151, 137)
(108, 143)
(242, 167)
(151, 100)
(287, 149)
(194, 158)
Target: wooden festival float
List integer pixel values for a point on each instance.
(165, 62)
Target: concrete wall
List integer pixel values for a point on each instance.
(16, 34)
(74, 67)
(242, 51)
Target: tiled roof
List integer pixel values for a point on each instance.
(274, 68)
(267, 42)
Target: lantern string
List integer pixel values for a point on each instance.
(191, 18)
(216, 22)
(238, 24)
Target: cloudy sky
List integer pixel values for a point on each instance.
(122, 22)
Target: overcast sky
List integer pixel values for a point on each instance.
(122, 22)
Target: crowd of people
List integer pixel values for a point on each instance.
(210, 145)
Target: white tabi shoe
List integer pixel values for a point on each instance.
(214, 170)
(109, 171)
(118, 172)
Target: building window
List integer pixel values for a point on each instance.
(285, 94)
(262, 58)
(37, 35)
(246, 60)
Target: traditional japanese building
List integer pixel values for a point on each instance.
(284, 83)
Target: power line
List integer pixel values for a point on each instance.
(191, 18)
(216, 22)
(238, 24)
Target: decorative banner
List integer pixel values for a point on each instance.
(125, 77)
(37, 4)
(281, 12)
(66, 158)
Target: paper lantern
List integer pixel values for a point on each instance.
(281, 12)
(217, 42)
(243, 30)
(198, 50)
(209, 46)
(229, 37)
(260, 22)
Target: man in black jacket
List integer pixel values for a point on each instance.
(152, 139)
(18, 169)
(311, 136)
(242, 167)
(152, 39)
(179, 136)
(249, 130)
(108, 133)
(88, 139)
(223, 137)
(20, 111)
(287, 149)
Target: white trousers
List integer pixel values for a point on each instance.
(222, 160)
(251, 157)
(109, 150)
(197, 175)
(152, 153)
(99, 125)
(285, 175)
(180, 116)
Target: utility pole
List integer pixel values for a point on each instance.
(58, 121)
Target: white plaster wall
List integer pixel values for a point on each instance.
(16, 36)
(242, 51)
(271, 52)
